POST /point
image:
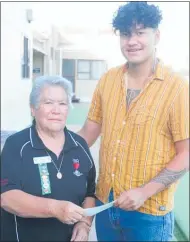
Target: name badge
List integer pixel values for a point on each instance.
(42, 160)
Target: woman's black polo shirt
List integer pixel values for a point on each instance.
(19, 170)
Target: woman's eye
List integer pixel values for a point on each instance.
(63, 104)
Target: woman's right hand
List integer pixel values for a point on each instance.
(65, 211)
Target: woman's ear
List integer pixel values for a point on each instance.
(32, 111)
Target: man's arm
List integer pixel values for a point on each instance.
(175, 169)
(92, 127)
(90, 132)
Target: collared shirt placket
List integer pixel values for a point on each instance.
(118, 142)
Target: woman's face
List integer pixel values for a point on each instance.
(52, 110)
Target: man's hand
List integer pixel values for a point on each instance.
(66, 212)
(80, 232)
(131, 199)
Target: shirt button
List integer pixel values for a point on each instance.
(113, 174)
(124, 122)
(118, 141)
(162, 208)
(114, 158)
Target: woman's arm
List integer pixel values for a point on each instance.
(89, 202)
(25, 205)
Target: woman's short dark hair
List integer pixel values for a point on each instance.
(134, 13)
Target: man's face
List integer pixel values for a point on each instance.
(138, 45)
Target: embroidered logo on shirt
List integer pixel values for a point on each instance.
(4, 182)
(76, 165)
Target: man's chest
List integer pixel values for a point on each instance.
(134, 109)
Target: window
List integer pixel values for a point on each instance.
(97, 69)
(90, 69)
(25, 64)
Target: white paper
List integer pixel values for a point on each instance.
(95, 210)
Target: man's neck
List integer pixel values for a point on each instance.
(141, 71)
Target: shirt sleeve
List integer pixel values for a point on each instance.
(179, 115)
(95, 111)
(10, 167)
(91, 180)
(91, 183)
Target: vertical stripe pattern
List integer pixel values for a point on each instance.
(137, 143)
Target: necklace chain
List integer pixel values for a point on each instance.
(58, 170)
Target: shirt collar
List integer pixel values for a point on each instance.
(159, 71)
(37, 143)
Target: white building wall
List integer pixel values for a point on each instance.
(15, 112)
(85, 89)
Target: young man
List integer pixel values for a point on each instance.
(141, 111)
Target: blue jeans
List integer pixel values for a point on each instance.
(115, 224)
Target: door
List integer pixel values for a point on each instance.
(38, 64)
(68, 71)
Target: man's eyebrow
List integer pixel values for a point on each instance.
(140, 28)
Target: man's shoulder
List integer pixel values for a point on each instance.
(111, 75)
(115, 70)
(174, 77)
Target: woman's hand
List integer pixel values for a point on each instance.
(66, 212)
(80, 232)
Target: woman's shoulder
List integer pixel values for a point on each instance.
(15, 137)
(77, 138)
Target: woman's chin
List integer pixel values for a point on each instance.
(56, 127)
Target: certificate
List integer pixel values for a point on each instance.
(95, 210)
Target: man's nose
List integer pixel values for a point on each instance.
(132, 40)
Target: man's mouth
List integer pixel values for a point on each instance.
(133, 50)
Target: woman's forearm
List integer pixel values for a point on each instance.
(89, 202)
(26, 205)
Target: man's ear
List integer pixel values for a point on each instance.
(157, 36)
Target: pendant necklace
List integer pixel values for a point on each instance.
(59, 174)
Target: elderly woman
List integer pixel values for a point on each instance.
(48, 174)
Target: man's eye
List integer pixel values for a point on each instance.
(63, 104)
(124, 35)
(140, 33)
(48, 102)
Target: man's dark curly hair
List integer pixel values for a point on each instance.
(134, 13)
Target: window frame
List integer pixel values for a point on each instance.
(90, 69)
(26, 59)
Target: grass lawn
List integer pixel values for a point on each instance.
(78, 114)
